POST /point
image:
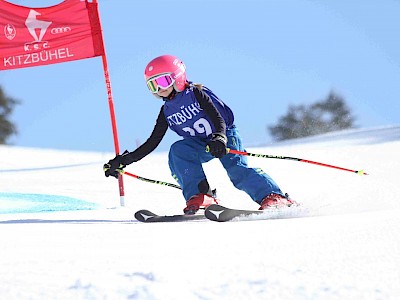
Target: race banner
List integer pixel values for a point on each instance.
(65, 32)
(68, 31)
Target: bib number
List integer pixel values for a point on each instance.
(199, 127)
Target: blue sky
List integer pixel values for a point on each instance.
(258, 56)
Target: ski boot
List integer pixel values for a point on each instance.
(199, 201)
(276, 201)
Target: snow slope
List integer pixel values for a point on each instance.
(64, 236)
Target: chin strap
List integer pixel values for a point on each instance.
(170, 96)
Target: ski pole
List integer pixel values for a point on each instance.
(152, 180)
(360, 172)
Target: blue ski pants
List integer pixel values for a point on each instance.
(187, 156)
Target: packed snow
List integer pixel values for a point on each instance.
(64, 234)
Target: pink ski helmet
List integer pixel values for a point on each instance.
(167, 64)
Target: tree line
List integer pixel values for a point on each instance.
(329, 114)
(7, 127)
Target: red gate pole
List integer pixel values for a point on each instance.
(114, 126)
(112, 115)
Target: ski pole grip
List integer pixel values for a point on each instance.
(208, 149)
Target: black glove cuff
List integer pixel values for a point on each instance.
(125, 158)
(219, 137)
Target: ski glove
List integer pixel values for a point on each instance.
(217, 145)
(115, 166)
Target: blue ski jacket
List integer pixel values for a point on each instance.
(194, 112)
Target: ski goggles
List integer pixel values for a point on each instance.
(163, 81)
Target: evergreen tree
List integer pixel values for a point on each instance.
(7, 128)
(328, 115)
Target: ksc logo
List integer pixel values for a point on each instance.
(10, 31)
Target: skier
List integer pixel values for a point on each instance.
(207, 127)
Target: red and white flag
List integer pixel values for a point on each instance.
(32, 37)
